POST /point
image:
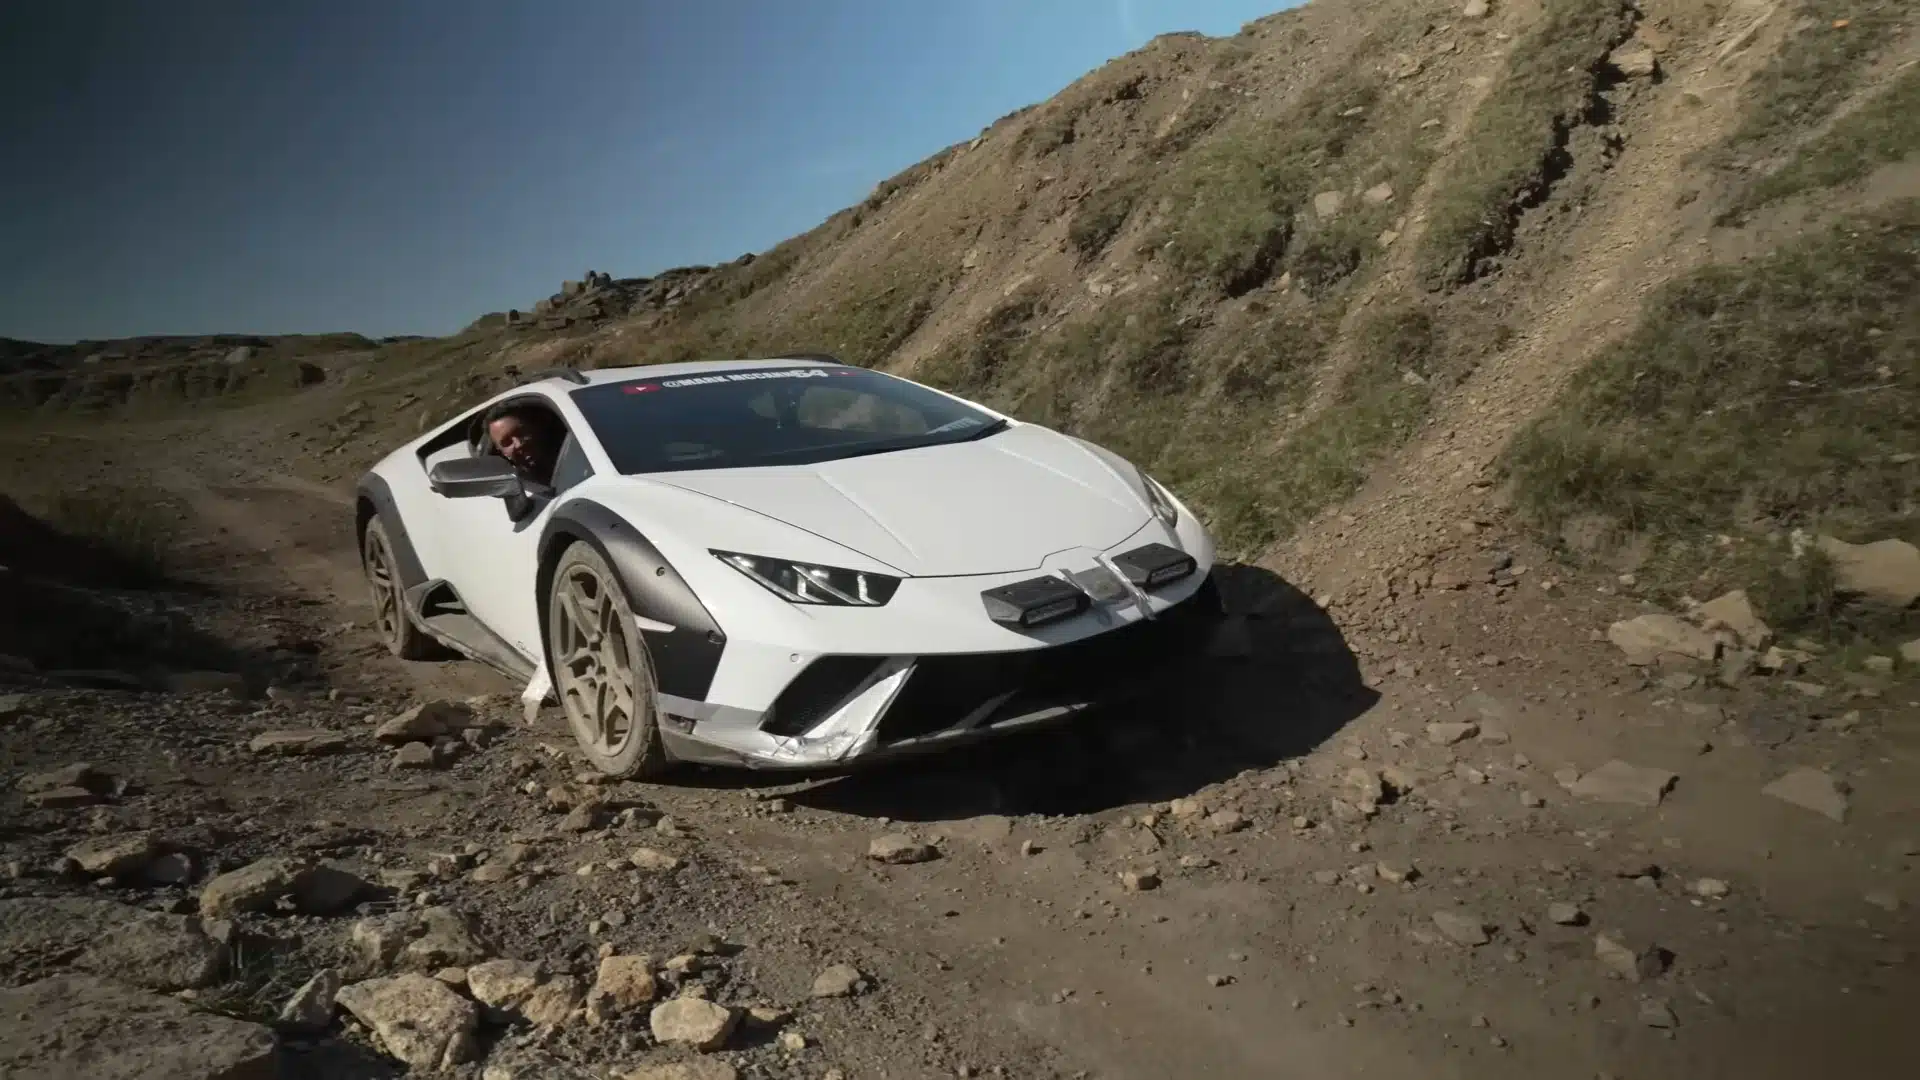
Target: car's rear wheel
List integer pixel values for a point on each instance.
(401, 637)
(601, 670)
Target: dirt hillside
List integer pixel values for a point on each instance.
(1550, 372)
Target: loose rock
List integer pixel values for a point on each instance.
(649, 859)
(688, 1021)
(1656, 1013)
(1366, 787)
(1646, 638)
(1710, 888)
(416, 755)
(1462, 928)
(840, 980)
(1627, 961)
(1447, 733)
(1186, 808)
(424, 939)
(311, 1007)
(79, 775)
(1396, 873)
(554, 1001)
(1619, 782)
(258, 886)
(504, 984)
(418, 1019)
(623, 983)
(1634, 60)
(896, 849)
(313, 889)
(1885, 573)
(116, 856)
(426, 722)
(1734, 611)
(1811, 789)
(297, 743)
(1884, 899)
(1566, 915)
(1222, 822)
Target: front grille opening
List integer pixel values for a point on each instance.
(944, 689)
(814, 693)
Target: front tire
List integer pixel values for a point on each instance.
(602, 672)
(397, 632)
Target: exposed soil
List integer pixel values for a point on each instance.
(1290, 937)
(1432, 824)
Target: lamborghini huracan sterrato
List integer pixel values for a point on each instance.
(784, 563)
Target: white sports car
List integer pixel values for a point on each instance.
(785, 563)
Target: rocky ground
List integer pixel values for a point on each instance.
(1455, 811)
(1484, 817)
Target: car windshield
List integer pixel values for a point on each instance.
(770, 416)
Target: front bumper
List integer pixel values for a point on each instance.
(857, 709)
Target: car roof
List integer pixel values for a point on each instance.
(600, 376)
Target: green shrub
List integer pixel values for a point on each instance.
(1233, 198)
(1502, 164)
(1883, 130)
(1750, 400)
(1099, 216)
(1814, 70)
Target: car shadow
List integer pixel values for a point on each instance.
(1294, 684)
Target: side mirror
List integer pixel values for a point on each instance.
(473, 478)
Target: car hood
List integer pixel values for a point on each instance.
(998, 505)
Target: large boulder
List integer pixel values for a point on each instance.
(143, 948)
(313, 888)
(1734, 611)
(694, 1022)
(423, 939)
(1648, 638)
(85, 1026)
(418, 1019)
(1885, 573)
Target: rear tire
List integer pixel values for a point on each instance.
(401, 637)
(602, 672)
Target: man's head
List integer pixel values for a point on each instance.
(528, 436)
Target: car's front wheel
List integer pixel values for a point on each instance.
(601, 670)
(401, 637)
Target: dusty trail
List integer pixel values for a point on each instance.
(1328, 969)
(295, 536)
(1122, 1019)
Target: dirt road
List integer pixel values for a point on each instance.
(1299, 870)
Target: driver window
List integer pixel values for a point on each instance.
(545, 431)
(572, 466)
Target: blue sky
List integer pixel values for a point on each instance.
(402, 166)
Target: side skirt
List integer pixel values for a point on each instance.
(439, 612)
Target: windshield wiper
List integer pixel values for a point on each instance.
(997, 425)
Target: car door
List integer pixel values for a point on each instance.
(496, 553)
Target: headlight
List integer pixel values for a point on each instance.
(804, 583)
(1161, 502)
